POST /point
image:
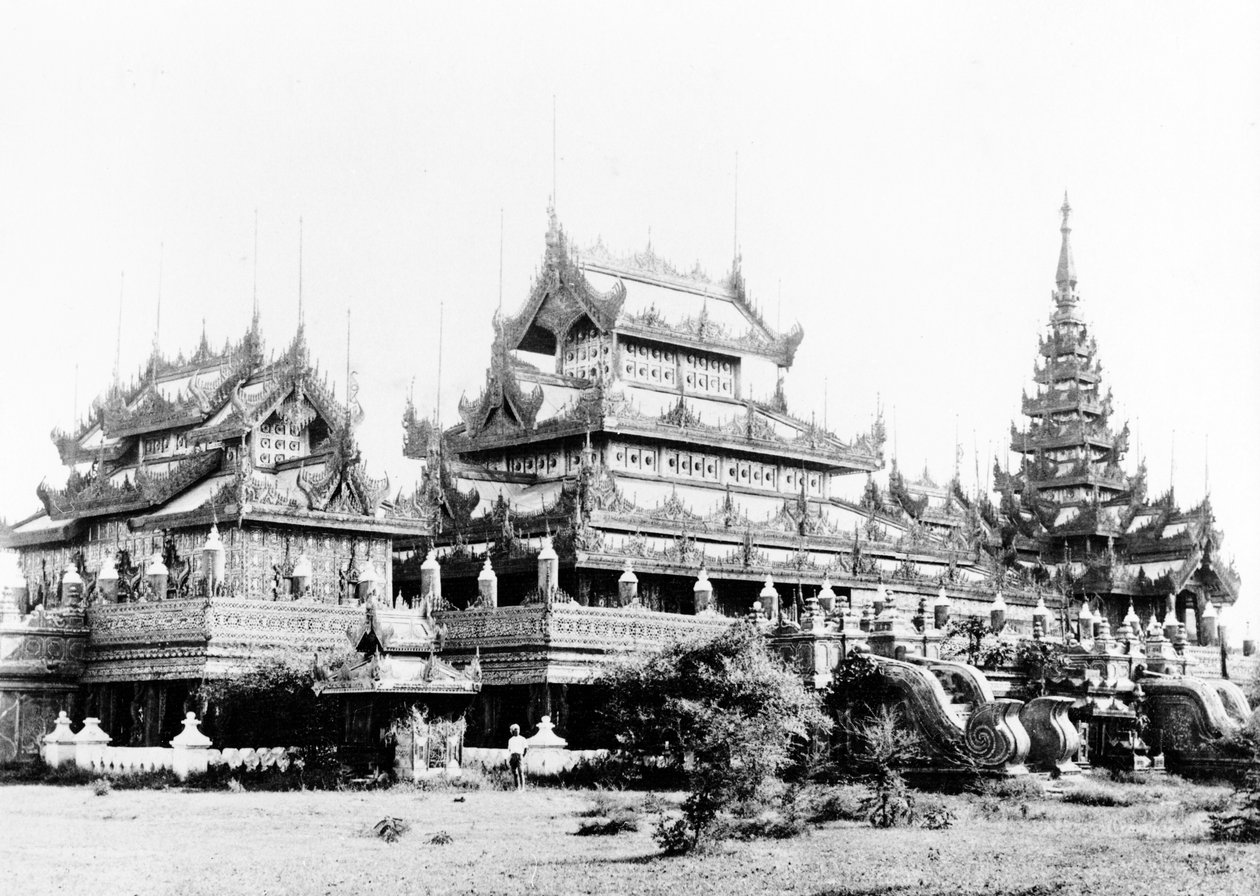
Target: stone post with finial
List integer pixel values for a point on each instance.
(1208, 625)
(702, 592)
(431, 580)
(628, 586)
(192, 750)
(548, 571)
(58, 749)
(940, 609)
(488, 586)
(770, 600)
(997, 612)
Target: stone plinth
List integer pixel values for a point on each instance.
(548, 752)
(58, 747)
(192, 750)
(89, 743)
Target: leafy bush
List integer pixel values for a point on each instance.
(1025, 787)
(36, 771)
(838, 803)
(1240, 821)
(102, 787)
(934, 814)
(390, 828)
(674, 836)
(1087, 793)
(274, 705)
(971, 640)
(441, 838)
(619, 821)
(728, 716)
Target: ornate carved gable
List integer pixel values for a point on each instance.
(503, 405)
(561, 297)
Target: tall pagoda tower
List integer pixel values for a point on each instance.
(1073, 511)
(1071, 454)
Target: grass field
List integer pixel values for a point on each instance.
(69, 840)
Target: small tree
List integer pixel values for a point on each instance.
(723, 711)
(972, 640)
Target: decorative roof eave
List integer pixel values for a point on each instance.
(68, 531)
(781, 350)
(468, 686)
(100, 497)
(272, 515)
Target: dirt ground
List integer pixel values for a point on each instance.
(69, 840)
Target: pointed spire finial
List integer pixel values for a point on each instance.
(1065, 276)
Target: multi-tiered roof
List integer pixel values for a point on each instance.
(638, 413)
(229, 432)
(1072, 503)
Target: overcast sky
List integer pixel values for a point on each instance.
(900, 173)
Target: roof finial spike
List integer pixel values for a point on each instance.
(500, 259)
(122, 280)
(301, 317)
(1065, 276)
(157, 325)
(255, 264)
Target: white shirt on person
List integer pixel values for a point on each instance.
(517, 745)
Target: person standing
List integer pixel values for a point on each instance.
(517, 748)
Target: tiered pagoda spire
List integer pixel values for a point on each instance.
(1071, 456)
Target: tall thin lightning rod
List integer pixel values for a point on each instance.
(437, 401)
(301, 316)
(1205, 465)
(74, 415)
(778, 308)
(157, 327)
(555, 197)
(348, 360)
(500, 258)
(255, 262)
(975, 453)
(736, 234)
(824, 402)
(1172, 464)
(122, 280)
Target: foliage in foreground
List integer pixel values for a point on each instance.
(723, 711)
(1239, 822)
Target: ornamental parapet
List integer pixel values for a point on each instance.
(572, 626)
(196, 636)
(1052, 403)
(44, 646)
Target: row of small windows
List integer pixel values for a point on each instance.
(280, 429)
(713, 468)
(699, 371)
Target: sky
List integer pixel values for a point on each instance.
(891, 173)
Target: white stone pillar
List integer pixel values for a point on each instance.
(58, 747)
(431, 579)
(628, 586)
(192, 750)
(548, 571)
(702, 592)
(940, 609)
(997, 613)
(89, 743)
(770, 600)
(488, 586)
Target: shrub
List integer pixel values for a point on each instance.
(1025, 787)
(618, 822)
(674, 836)
(934, 814)
(441, 838)
(839, 803)
(728, 716)
(390, 828)
(102, 787)
(1087, 793)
